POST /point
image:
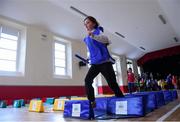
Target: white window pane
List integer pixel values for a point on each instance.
(7, 36)
(7, 65)
(60, 55)
(8, 44)
(10, 30)
(7, 54)
(60, 71)
(60, 63)
(60, 58)
(60, 47)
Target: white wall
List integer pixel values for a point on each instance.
(39, 62)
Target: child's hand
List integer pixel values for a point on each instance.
(87, 60)
(90, 33)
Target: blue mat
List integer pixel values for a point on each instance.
(168, 97)
(81, 108)
(174, 94)
(159, 98)
(132, 106)
(149, 100)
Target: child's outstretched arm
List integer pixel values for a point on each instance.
(100, 38)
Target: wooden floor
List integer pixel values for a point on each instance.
(22, 115)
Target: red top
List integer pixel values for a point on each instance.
(174, 80)
(131, 77)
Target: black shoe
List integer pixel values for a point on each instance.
(91, 111)
(91, 118)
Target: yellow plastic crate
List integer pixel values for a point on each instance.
(59, 104)
(36, 106)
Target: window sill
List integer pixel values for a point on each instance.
(11, 74)
(63, 76)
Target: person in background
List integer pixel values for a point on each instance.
(148, 82)
(174, 81)
(178, 82)
(151, 76)
(142, 84)
(169, 82)
(131, 80)
(164, 84)
(160, 84)
(155, 86)
(138, 83)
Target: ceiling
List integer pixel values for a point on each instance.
(137, 20)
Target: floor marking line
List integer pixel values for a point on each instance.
(168, 114)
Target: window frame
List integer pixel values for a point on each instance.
(67, 44)
(17, 61)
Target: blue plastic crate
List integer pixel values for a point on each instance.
(22, 102)
(3, 104)
(50, 100)
(17, 104)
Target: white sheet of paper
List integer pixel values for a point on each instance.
(121, 107)
(34, 105)
(60, 102)
(76, 110)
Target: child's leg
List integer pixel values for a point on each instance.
(92, 73)
(109, 74)
(133, 87)
(130, 87)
